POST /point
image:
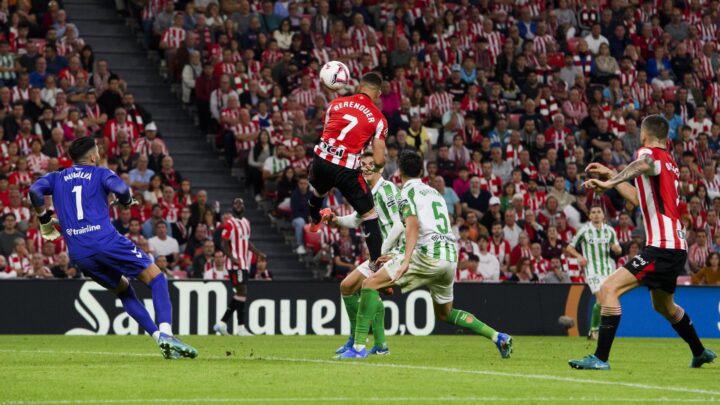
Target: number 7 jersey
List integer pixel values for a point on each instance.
(436, 239)
(659, 199)
(351, 123)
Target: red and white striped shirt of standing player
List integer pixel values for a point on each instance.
(659, 199)
(237, 232)
(351, 123)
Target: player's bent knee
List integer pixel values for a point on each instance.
(123, 285)
(346, 287)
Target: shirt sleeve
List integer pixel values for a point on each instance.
(577, 238)
(42, 187)
(382, 129)
(226, 231)
(114, 184)
(655, 170)
(407, 204)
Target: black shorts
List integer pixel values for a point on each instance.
(325, 175)
(657, 268)
(238, 277)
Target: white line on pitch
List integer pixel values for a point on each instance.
(400, 366)
(348, 399)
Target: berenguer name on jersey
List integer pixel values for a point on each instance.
(357, 106)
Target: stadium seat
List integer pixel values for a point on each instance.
(312, 239)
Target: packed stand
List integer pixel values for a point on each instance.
(508, 101)
(53, 90)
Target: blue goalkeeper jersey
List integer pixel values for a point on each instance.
(80, 197)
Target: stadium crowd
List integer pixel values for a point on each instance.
(508, 101)
(53, 90)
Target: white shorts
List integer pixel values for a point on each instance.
(364, 269)
(436, 275)
(595, 282)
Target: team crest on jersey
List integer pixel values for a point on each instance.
(405, 209)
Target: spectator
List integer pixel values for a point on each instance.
(476, 199)
(141, 175)
(9, 234)
(698, 251)
(556, 274)
(37, 267)
(511, 230)
(202, 259)
(63, 268)
(122, 223)
(216, 267)
(261, 271)
(451, 199)
(710, 273)
(300, 212)
(524, 273)
(149, 228)
(488, 267)
(163, 244)
(199, 208)
(345, 253)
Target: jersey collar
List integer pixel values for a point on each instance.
(412, 181)
(377, 185)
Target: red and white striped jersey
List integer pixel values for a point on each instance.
(534, 202)
(706, 67)
(512, 154)
(351, 123)
(698, 126)
(697, 255)
(540, 266)
(584, 62)
(237, 231)
(16, 262)
(642, 92)
(152, 8)
(440, 102)
(437, 72)
(19, 94)
(495, 41)
(659, 199)
(707, 32)
(22, 214)
(210, 273)
(572, 268)
(142, 146)
(628, 77)
(241, 129)
(624, 235)
(549, 107)
(112, 127)
(305, 98)
(557, 137)
(359, 35)
(712, 95)
(493, 185)
(540, 43)
(499, 250)
(173, 37)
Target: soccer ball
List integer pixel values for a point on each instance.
(334, 75)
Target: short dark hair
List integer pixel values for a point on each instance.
(372, 78)
(410, 163)
(80, 147)
(656, 126)
(368, 154)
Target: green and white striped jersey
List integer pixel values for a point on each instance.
(436, 239)
(275, 165)
(385, 199)
(595, 245)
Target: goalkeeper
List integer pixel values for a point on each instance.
(80, 194)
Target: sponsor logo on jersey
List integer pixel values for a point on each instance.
(78, 175)
(85, 229)
(338, 151)
(638, 261)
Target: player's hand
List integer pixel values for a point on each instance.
(402, 270)
(49, 232)
(603, 171)
(133, 201)
(582, 261)
(597, 186)
(383, 259)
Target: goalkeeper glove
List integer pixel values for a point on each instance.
(47, 226)
(132, 202)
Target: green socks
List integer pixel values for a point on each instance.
(378, 325)
(369, 300)
(469, 321)
(351, 307)
(595, 320)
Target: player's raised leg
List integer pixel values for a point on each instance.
(155, 279)
(664, 303)
(620, 282)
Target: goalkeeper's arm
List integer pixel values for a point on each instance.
(38, 191)
(117, 186)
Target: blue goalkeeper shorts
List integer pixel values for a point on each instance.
(112, 260)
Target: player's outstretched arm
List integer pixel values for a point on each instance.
(643, 164)
(42, 187)
(114, 184)
(378, 147)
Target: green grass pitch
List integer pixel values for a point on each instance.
(290, 369)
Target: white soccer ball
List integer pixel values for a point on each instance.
(335, 75)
